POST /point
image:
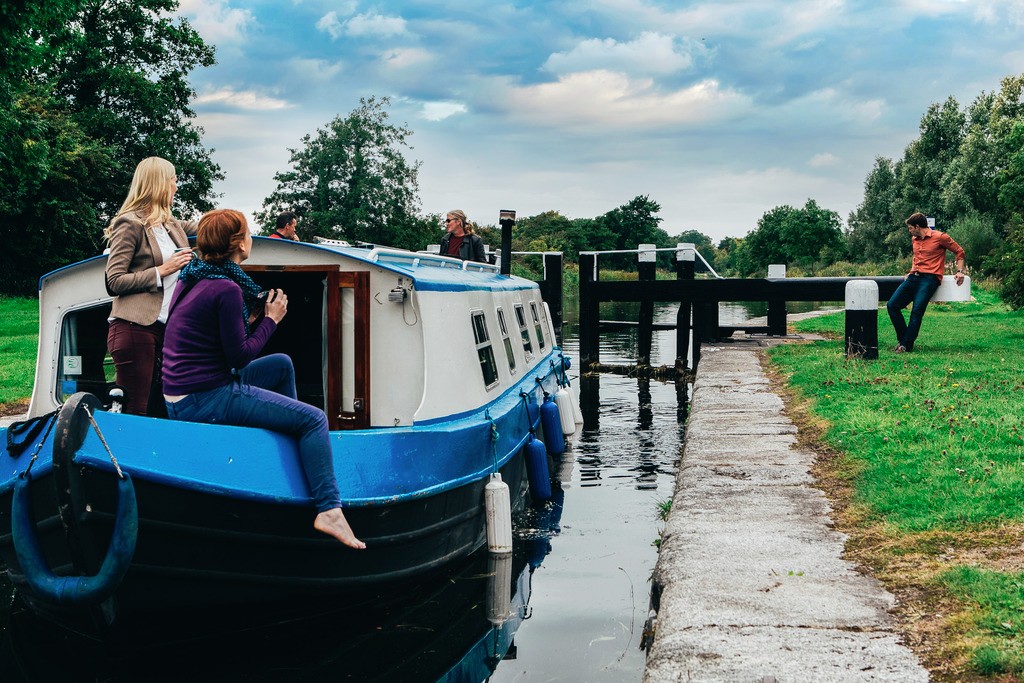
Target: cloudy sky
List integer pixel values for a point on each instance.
(718, 110)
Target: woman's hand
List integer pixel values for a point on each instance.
(277, 305)
(178, 260)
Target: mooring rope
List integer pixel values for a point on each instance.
(39, 446)
(102, 440)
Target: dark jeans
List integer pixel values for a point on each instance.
(137, 351)
(919, 290)
(264, 396)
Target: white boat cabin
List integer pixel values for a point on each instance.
(379, 338)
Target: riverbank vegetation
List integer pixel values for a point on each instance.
(922, 455)
(19, 334)
(69, 159)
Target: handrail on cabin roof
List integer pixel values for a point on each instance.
(382, 254)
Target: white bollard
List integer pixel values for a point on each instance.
(949, 290)
(862, 319)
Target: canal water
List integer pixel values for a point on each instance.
(570, 604)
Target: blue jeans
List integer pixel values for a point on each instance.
(265, 397)
(918, 289)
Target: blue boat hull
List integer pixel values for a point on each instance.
(224, 514)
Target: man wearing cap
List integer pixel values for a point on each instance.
(930, 247)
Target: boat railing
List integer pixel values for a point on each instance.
(420, 258)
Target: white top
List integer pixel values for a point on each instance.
(167, 247)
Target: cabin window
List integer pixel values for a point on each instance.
(503, 328)
(536, 325)
(484, 350)
(83, 363)
(524, 331)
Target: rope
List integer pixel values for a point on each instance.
(523, 395)
(30, 428)
(102, 440)
(39, 446)
(494, 439)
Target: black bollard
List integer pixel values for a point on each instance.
(862, 319)
(590, 312)
(685, 269)
(553, 290)
(647, 265)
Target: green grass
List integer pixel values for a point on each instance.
(937, 436)
(932, 442)
(19, 326)
(998, 622)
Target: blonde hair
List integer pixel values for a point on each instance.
(150, 193)
(461, 215)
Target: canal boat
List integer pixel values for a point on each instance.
(432, 372)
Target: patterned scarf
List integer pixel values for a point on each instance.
(197, 269)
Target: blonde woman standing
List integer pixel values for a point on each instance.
(148, 246)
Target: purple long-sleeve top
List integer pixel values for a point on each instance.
(205, 338)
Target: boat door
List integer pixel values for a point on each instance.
(348, 350)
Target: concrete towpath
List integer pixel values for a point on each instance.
(750, 584)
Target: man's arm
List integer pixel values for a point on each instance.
(960, 257)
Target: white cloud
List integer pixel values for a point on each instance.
(376, 25)
(612, 99)
(437, 111)
(401, 58)
(244, 99)
(650, 53)
(372, 25)
(313, 70)
(216, 20)
(330, 24)
(823, 160)
(870, 111)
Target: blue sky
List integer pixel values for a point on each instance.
(719, 111)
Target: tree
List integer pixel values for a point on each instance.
(589, 234)
(635, 223)
(1009, 265)
(973, 181)
(926, 159)
(547, 231)
(802, 237)
(351, 181)
(121, 69)
(87, 89)
(873, 221)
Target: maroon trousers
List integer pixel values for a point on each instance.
(137, 351)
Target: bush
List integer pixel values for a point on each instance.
(1008, 264)
(979, 239)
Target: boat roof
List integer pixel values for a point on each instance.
(429, 272)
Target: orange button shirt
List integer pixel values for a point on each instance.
(930, 252)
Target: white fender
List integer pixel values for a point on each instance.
(565, 413)
(498, 508)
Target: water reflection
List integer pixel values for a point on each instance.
(577, 585)
(457, 627)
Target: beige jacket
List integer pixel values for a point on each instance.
(131, 266)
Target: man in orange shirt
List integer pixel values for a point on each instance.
(925, 275)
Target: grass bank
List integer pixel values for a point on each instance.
(923, 457)
(19, 327)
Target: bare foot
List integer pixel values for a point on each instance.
(333, 523)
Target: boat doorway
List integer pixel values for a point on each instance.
(327, 335)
